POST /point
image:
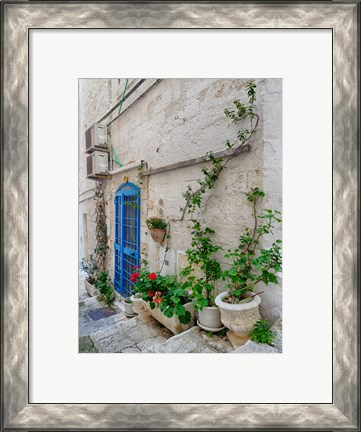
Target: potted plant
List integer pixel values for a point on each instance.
(138, 305)
(128, 307)
(250, 265)
(157, 228)
(105, 287)
(201, 260)
(165, 299)
(91, 268)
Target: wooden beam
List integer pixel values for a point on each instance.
(220, 154)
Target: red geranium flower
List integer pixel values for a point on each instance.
(134, 277)
(157, 298)
(135, 267)
(152, 276)
(150, 293)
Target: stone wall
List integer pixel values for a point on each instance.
(175, 120)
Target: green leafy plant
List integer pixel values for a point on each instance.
(242, 112)
(91, 268)
(211, 174)
(164, 292)
(250, 262)
(105, 287)
(262, 332)
(156, 222)
(201, 256)
(101, 235)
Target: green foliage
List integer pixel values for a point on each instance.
(101, 235)
(201, 255)
(262, 332)
(164, 292)
(90, 267)
(156, 222)
(105, 287)
(250, 262)
(211, 175)
(140, 175)
(242, 111)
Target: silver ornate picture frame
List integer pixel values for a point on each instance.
(343, 17)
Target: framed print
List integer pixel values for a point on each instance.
(125, 139)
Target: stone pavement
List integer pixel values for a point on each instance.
(194, 340)
(108, 330)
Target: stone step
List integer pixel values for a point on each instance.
(95, 315)
(131, 335)
(194, 340)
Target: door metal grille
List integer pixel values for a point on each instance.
(127, 237)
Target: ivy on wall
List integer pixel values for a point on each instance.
(101, 248)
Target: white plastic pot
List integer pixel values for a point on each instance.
(209, 318)
(128, 307)
(139, 305)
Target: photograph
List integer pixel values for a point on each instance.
(180, 215)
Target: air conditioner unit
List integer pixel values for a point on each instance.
(97, 164)
(96, 138)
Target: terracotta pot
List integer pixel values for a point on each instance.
(157, 234)
(90, 289)
(173, 324)
(240, 318)
(210, 318)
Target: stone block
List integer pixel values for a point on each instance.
(237, 340)
(253, 347)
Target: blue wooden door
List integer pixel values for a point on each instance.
(127, 236)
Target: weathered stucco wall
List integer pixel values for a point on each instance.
(179, 119)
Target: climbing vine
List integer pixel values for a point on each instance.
(241, 112)
(100, 226)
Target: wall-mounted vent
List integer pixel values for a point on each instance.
(96, 138)
(97, 165)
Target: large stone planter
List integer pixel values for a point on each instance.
(90, 289)
(239, 318)
(173, 324)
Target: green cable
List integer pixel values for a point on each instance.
(123, 96)
(116, 160)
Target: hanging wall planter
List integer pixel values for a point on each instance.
(157, 228)
(157, 234)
